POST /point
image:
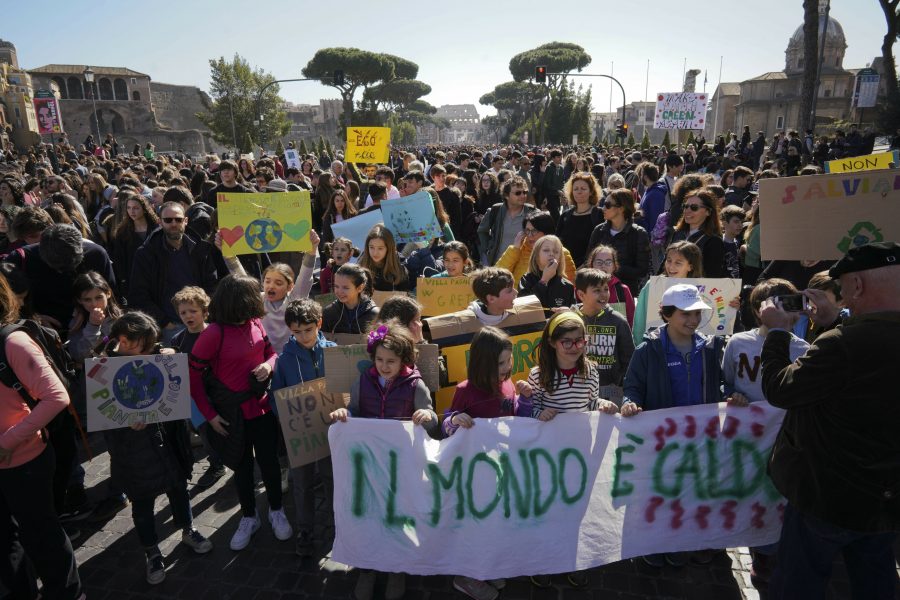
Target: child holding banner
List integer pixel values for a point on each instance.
(487, 393)
(353, 311)
(391, 388)
(564, 381)
(675, 366)
(154, 459)
(380, 257)
(302, 360)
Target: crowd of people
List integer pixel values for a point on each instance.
(119, 255)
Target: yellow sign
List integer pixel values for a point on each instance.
(443, 295)
(457, 359)
(258, 223)
(368, 144)
(870, 162)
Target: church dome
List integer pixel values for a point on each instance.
(5, 44)
(834, 37)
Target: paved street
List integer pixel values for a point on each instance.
(112, 563)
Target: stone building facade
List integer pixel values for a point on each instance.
(771, 102)
(129, 106)
(18, 122)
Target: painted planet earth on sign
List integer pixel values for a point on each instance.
(138, 384)
(263, 235)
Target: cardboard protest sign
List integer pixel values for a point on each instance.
(443, 295)
(344, 365)
(292, 158)
(303, 412)
(717, 293)
(454, 332)
(48, 115)
(357, 228)
(596, 488)
(379, 297)
(345, 339)
(271, 222)
(136, 389)
(820, 217)
(368, 144)
(411, 218)
(870, 162)
(681, 110)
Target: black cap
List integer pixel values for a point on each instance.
(868, 256)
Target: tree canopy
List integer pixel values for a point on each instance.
(234, 86)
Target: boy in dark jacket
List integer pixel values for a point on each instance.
(303, 360)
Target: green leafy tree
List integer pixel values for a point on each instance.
(645, 141)
(361, 68)
(581, 116)
(328, 149)
(403, 133)
(320, 146)
(558, 57)
(303, 149)
(666, 141)
(234, 87)
(279, 148)
(691, 139)
(889, 111)
(495, 124)
(630, 142)
(247, 145)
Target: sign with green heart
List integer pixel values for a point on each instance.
(270, 222)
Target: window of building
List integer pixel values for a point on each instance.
(828, 93)
(136, 96)
(133, 81)
(121, 89)
(779, 122)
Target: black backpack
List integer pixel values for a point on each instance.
(58, 358)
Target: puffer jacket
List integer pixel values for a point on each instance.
(337, 318)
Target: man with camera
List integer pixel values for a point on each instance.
(837, 456)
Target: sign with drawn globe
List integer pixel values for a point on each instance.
(271, 222)
(124, 390)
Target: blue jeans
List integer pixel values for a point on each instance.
(808, 547)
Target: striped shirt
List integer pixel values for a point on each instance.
(581, 395)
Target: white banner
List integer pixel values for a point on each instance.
(515, 496)
(682, 110)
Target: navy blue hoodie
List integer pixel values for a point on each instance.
(297, 364)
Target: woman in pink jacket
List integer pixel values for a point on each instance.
(26, 471)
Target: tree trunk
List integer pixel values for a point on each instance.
(893, 29)
(810, 63)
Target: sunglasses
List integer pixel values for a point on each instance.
(608, 204)
(531, 232)
(567, 344)
(172, 219)
(520, 193)
(692, 207)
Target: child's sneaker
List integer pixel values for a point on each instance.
(396, 586)
(246, 528)
(193, 538)
(475, 588)
(156, 569)
(280, 526)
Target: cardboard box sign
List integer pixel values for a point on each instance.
(303, 413)
(273, 222)
(820, 217)
(460, 326)
(379, 298)
(344, 365)
(443, 295)
(870, 162)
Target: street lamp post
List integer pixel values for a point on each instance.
(89, 78)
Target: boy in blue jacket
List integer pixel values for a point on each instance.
(302, 360)
(675, 366)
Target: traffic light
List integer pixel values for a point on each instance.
(625, 131)
(338, 77)
(620, 131)
(540, 74)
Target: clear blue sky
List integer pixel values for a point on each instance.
(462, 53)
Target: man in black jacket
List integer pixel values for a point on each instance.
(837, 456)
(169, 260)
